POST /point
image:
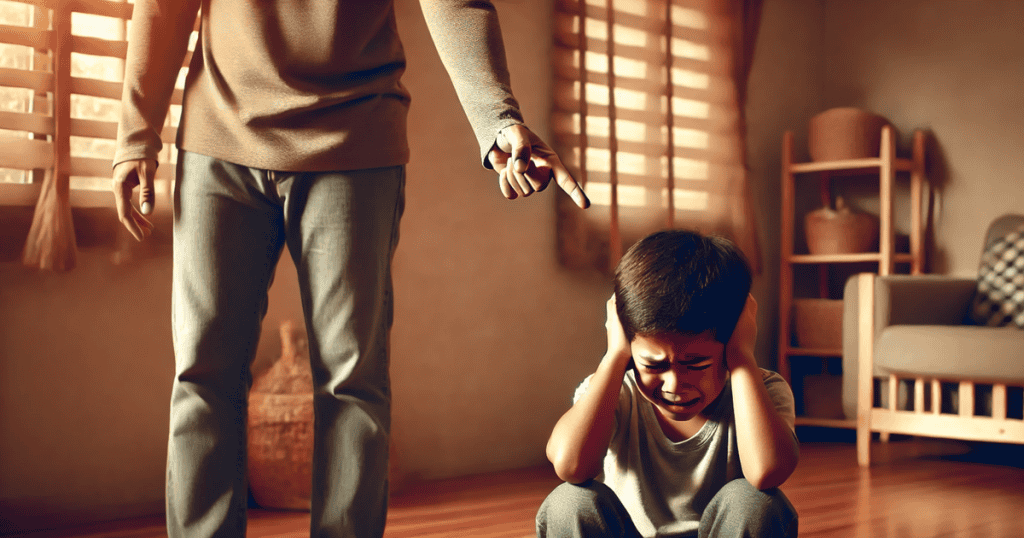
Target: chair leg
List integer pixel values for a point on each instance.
(865, 365)
(863, 445)
(883, 437)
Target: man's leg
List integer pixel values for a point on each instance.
(228, 237)
(585, 510)
(342, 232)
(740, 510)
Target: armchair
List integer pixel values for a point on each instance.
(915, 363)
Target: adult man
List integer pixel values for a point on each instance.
(293, 132)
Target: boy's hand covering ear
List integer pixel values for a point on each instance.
(617, 343)
(525, 164)
(740, 349)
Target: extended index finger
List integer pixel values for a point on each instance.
(569, 185)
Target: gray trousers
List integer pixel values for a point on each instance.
(738, 510)
(230, 226)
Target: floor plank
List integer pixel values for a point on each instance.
(915, 489)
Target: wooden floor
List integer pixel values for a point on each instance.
(914, 489)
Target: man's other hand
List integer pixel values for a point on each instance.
(128, 175)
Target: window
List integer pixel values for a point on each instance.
(647, 113)
(42, 87)
(61, 69)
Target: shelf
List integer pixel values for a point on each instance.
(850, 166)
(900, 257)
(813, 352)
(849, 424)
(884, 169)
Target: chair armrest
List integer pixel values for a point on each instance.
(897, 300)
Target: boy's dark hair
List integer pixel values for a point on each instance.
(684, 282)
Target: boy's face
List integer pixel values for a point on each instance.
(681, 374)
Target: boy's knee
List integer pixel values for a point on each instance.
(567, 502)
(740, 509)
(579, 509)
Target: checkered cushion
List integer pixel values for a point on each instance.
(1000, 297)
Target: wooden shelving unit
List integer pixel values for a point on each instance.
(886, 167)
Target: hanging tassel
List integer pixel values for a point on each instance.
(51, 241)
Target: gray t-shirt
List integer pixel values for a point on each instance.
(665, 486)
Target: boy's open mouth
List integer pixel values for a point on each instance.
(677, 401)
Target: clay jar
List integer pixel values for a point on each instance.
(840, 231)
(281, 427)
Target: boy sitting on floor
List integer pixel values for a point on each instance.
(678, 432)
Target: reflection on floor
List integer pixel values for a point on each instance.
(915, 488)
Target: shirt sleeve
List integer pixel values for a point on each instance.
(157, 43)
(468, 40)
(781, 396)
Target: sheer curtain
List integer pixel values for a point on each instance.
(648, 112)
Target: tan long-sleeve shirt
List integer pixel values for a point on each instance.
(302, 85)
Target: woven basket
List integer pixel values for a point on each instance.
(844, 133)
(840, 231)
(818, 323)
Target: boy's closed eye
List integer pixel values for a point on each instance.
(693, 363)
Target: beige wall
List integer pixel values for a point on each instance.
(784, 88)
(85, 372)
(952, 67)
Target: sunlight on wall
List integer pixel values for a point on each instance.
(643, 91)
(638, 196)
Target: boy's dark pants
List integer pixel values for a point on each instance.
(592, 509)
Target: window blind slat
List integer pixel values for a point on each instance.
(100, 168)
(105, 8)
(40, 81)
(109, 90)
(107, 130)
(653, 58)
(25, 36)
(95, 88)
(93, 128)
(25, 153)
(712, 29)
(99, 47)
(721, 149)
(717, 120)
(719, 86)
(26, 121)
